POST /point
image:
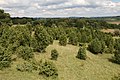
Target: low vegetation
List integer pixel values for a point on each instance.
(25, 52)
(63, 40)
(82, 54)
(48, 69)
(116, 57)
(59, 42)
(54, 54)
(26, 66)
(97, 46)
(5, 58)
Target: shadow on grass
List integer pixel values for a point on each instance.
(113, 61)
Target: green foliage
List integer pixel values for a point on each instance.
(86, 38)
(16, 36)
(5, 17)
(103, 46)
(1, 11)
(73, 39)
(80, 23)
(23, 20)
(110, 48)
(34, 44)
(109, 40)
(26, 66)
(117, 44)
(96, 46)
(54, 54)
(116, 57)
(55, 32)
(23, 35)
(82, 54)
(25, 52)
(86, 35)
(5, 58)
(7, 36)
(63, 40)
(48, 69)
(42, 38)
(35, 64)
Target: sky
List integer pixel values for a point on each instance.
(61, 8)
(116, 0)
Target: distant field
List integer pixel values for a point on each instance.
(108, 30)
(96, 67)
(114, 22)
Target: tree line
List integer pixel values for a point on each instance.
(5, 19)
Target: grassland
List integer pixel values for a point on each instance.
(109, 30)
(114, 22)
(96, 67)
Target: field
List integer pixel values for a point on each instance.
(108, 30)
(114, 22)
(96, 67)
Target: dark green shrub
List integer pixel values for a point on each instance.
(26, 66)
(5, 61)
(116, 57)
(63, 40)
(15, 36)
(22, 35)
(25, 52)
(42, 38)
(110, 48)
(108, 40)
(73, 39)
(117, 44)
(48, 69)
(54, 54)
(82, 54)
(85, 38)
(5, 58)
(34, 44)
(51, 39)
(103, 46)
(96, 46)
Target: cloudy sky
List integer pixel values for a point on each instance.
(61, 8)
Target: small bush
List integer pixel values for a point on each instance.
(81, 54)
(48, 69)
(25, 52)
(116, 57)
(26, 66)
(54, 54)
(97, 46)
(35, 64)
(63, 40)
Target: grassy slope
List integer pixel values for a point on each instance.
(96, 67)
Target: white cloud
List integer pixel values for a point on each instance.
(54, 8)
